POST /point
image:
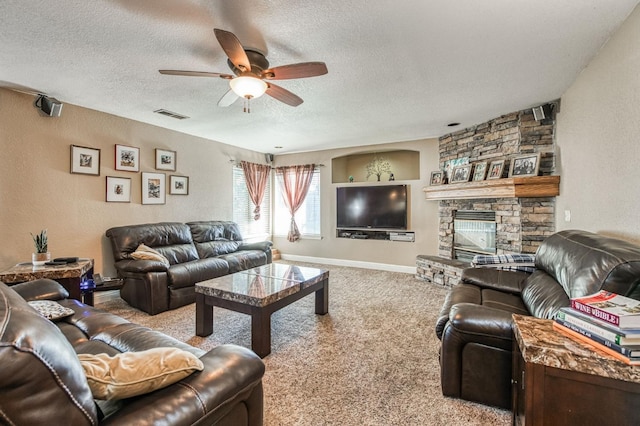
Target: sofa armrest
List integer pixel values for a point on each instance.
(481, 324)
(261, 245)
(507, 281)
(41, 289)
(140, 266)
(232, 376)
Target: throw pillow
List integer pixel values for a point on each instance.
(147, 253)
(136, 373)
(51, 310)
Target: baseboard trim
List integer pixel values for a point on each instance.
(352, 263)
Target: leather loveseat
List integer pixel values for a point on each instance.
(196, 251)
(42, 381)
(475, 323)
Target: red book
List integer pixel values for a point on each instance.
(613, 308)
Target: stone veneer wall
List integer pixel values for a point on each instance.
(521, 223)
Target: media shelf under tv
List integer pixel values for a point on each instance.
(376, 234)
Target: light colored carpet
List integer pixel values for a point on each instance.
(373, 360)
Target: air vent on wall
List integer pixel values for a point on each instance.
(171, 114)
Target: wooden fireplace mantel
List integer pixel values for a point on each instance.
(515, 187)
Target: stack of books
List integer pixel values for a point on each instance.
(606, 320)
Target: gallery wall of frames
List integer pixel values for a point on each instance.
(153, 184)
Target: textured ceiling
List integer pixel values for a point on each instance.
(398, 70)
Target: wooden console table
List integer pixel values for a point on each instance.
(560, 381)
(70, 275)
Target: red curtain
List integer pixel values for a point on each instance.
(295, 182)
(256, 176)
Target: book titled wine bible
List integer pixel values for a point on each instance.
(613, 308)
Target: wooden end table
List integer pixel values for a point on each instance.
(259, 292)
(71, 275)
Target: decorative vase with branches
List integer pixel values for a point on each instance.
(41, 244)
(377, 167)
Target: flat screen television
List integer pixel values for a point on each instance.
(376, 207)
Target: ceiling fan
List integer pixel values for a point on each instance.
(253, 76)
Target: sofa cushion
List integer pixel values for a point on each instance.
(187, 274)
(215, 237)
(33, 347)
(244, 259)
(171, 239)
(135, 373)
(585, 263)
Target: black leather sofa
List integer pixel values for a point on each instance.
(475, 323)
(42, 381)
(196, 251)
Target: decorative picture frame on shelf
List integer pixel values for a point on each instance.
(460, 174)
(525, 165)
(85, 160)
(127, 158)
(479, 171)
(153, 188)
(450, 164)
(495, 169)
(436, 177)
(165, 160)
(178, 185)
(118, 190)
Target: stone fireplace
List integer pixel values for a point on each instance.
(521, 222)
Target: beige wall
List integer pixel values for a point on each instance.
(423, 219)
(37, 191)
(598, 139)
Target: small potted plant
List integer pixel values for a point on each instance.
(41, 242)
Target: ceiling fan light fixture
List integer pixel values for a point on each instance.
(248, 87)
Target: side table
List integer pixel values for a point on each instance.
(560, 381)
(70, 275)
(88, 287)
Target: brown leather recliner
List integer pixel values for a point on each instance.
(43, 383)
(475, 323)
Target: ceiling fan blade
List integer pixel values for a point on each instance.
(283, 95)
(228, 99)
(301, 70)
(234, 50)
(196, 74)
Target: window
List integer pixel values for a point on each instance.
(307, 216)
(252, 230)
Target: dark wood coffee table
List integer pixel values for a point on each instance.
(259, 292)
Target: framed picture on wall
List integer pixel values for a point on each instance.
(165, 160)
(525, 165)
(461, 174)
(495, 169)
(127, 158)
(479, 171)
(178, 185)
(118, 190)
(85, 160)
(153, 188)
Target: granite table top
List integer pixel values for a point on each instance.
(27, 271)
(263, 285)
(541, 344)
